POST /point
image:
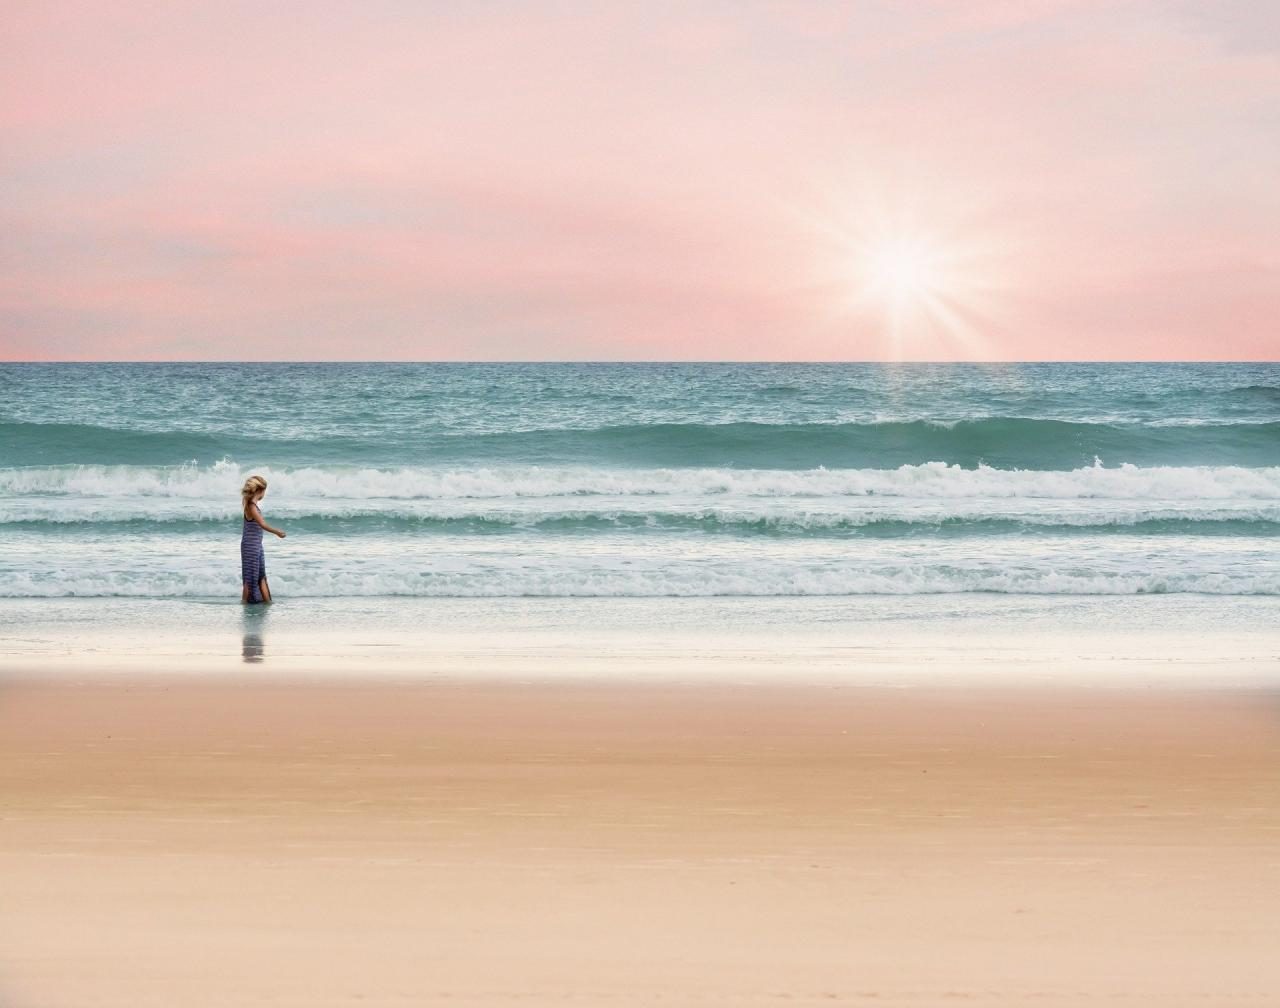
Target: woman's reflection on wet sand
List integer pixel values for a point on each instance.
(252, 649)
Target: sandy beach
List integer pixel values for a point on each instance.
(299, 841)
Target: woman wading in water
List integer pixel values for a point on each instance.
(253, 563)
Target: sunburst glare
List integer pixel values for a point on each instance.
(933, 283)
(904, 271)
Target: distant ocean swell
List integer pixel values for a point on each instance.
(1006, 442)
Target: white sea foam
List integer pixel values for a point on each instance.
(221, 482)
(646, 559)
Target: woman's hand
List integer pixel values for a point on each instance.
(280, 534)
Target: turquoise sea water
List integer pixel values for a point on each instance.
(632, 480)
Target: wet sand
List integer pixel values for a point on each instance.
(190, 841)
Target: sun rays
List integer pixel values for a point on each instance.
(930, 280)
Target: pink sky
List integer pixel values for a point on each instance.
(392, 179)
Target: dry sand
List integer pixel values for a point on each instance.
(185, 842)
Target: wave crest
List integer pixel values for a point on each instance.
(222, 481)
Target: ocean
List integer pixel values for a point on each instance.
(642, 480)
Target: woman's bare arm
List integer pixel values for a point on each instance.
(256, 516)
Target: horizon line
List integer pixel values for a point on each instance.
(605, 362)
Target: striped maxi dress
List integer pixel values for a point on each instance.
(253, 562)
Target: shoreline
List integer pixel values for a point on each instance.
(1205, 641)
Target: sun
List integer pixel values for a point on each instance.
(904, 272)
(919, 284)
(926, 275)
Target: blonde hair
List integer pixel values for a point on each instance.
(253, 486)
